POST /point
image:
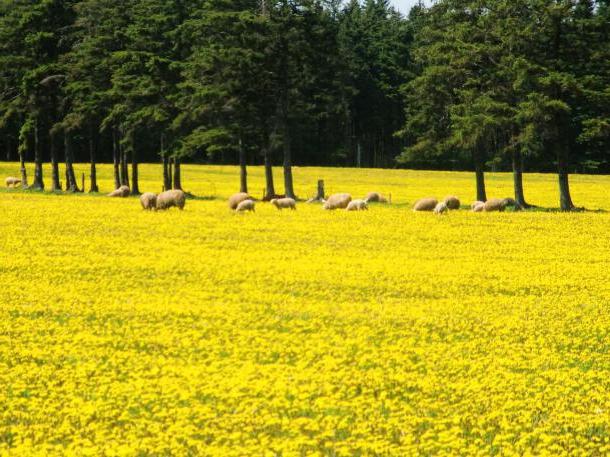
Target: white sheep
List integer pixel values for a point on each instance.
(246, 205)
(375, 197)
(495, 204)
(478, 207)
(148, 201)
(282, 203)
(121, 192)
(171, 198)
(357, 205)
(441, 208)
(452, 202)
(11, 181)
(236, 199)
(337, 201)
(425, 204)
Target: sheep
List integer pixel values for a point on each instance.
(375, 197)
(478, 207)
(12, 181)
(148, 201)
(121, 192)
(494, 204)
(425, 204)
(236, 199)
(441, 208)
(476, 203)
(169, 198)
(452, 202)
(357, 205)
(246, 205)
(337, 201)
(281, 203)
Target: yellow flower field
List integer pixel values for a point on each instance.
(380, 333)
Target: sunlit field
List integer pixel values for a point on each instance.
(379, 333)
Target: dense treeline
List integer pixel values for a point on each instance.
(462, 84)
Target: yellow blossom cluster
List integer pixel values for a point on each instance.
(380, 333)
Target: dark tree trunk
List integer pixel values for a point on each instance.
(243, 172)
(167, 182)
(124, 166)
(93, 175)
(518, 179)
(565, 200)
(288, 185)
(38, 183)
(55, 184)
(269, 186)
(22, 169)
(177, 175)
(71, 184)
(135, 188)
(480, 177)
(116, 161)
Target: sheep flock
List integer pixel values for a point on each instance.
(242, 202)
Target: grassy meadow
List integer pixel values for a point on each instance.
(379, 333)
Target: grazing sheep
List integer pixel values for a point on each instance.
(477, 203)
(246, 205)
(149, 201)
(452, 202)
(121, 192)
(357, 205)
(12, 181)
(375, 197)
(236, 199)
(478, 207)
(425, 204)
(337, 201)
(441, 208)
(169, 198)
(494, 204)
(281, 203)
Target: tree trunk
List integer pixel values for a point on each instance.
(177, 175)
(243, 172)
(167, 183)
(93, 174)
(565, 200)
(116, 161)
(124, 166)
(71, 185)
(135, 188)
(22, 169)
(55, 184)
(38, 183)
(480, 177)
(269, 186)
(518, 179)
